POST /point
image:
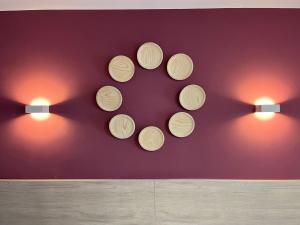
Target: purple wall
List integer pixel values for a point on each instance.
(239, 55)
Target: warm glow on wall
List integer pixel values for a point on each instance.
(264, 115)
(40, 84)
(264, 87)
(29, 131)
(250, 85)
(40, 102)
(26, 84)
(250, 133)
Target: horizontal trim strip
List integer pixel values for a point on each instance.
(16, 5)
(152, 180)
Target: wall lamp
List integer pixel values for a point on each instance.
(39, 109)
(275, 108)
(265, 108)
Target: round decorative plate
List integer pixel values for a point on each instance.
(121, 68)
(109, 98)
(150, 55)
(192, 97)
(151, 138)
(180, 66)
(121, 126)
(181, 124)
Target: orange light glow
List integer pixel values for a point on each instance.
(250, 132)
(248, 86)
(38, 83)
(40, 116)
(259, 84)
(26, 84)
(264, 115)
(28, 131)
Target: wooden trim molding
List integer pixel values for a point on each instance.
(149, 202)
(9, 5)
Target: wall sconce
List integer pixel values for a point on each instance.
(275, 108)
(39, 109)
(265, 108)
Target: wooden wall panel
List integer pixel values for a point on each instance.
(76, 203)
(228, 202)
(149, 202)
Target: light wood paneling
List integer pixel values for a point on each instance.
(228, 202)
(149, 202)
(77, 203)
(144, 4)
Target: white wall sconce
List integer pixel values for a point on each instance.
(265, 108)
(275, 108)
(39, 109)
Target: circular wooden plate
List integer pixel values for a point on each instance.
(149, 55)
(109, 98)
(151, 138)
(121, 126)
(121, 68)
(180, 66)
(181, 124)
(192, 97)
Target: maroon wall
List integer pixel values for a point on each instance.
(239, 55)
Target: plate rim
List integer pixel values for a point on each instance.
(113, 77)
(190, 116)
(119, 93)
(160, 50)
(181, 96)
(160, 131)
(121, 115)
(169, 62)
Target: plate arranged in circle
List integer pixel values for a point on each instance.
(121, 126)
(121, 68)
(151, 138)
(181, 124)
(109, 98)
(180, 66)
(150, 55)
(192, 97)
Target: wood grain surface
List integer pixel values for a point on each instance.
(149, 202)
(121, 68)
(181, 124)
(121, 126)
(77, 203)
(192, 97)
(151, 138)
(109, 98)
(180, 66)
(150, 55)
